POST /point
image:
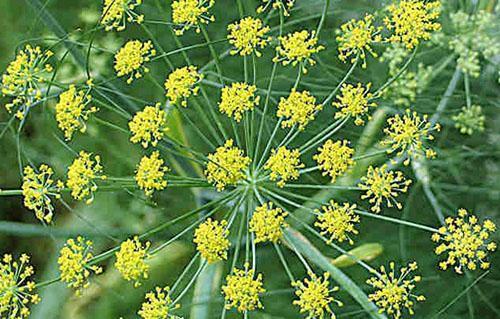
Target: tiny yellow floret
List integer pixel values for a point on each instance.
(150, 173)
(284, 5)
(116, 13)
(267, 223)
(131, 260)
(158, 305)
(242, 290)
(181, 84)
(130, 59)
(211, 240)
(334, 158)
(299, 108)
(247, 36)
(314, 296)
(298, 48)
(337, 221)
(237, 99)
(148, 126)
(191, 13)
(354, 101)
(82, 175)
(284, 165)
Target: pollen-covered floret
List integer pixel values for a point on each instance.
(211, 240)
(299, 108)
(297, 48)
(354, 101)
(284, 5)
(394, 293)
(150, 173)
(247, 36)
(191, 13)
(284, 165)
(314, 296)
(82, 175)
(381, 184)
(465, 241)
(158, 305)
(334, 158)
(116, 13)
(470, 119)
(242, 290)
(181, 84)
(130, 59)
(338, 222)
(148, 126)
(131, 260)
(237, 99)
(267, 223)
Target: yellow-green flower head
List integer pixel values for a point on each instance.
(38, 188)
(211, 240)
(148, 126)
(130, 59)
(74, 266)
(150, 173)
(158, 305)
(16, 288)
(298, 48)
(242, 290)
(394, 293)
(116, 14)
(191, 13)
(22, 78)
(131, 260)
(267, 223)
(73, 110)
(181, 84)
(406, 134)
(337, 221)
(412, 20)
(248, 35)
(299, 108)
(334, 158)
(314, 296)
(284, 165)
(82, 175)
(470, 119)
(465, 241)
(354, 101)
(381, 184)
(226, 166)
(237, 99)
(284, 5)
(355, 38)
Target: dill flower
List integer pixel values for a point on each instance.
(242, 290)
(470, 119)
(116, 13)
(314, 296)
(247, 35)
(158, 304)
(284, 165)
(334, 158)
(148, 126)
(284, 5)
(297, 48)
(181, 84)
(355, 38)
(38, 188)
(338, 221)
(72, 111)
(211, 240)
(81, 176)
(395, 293)
(354, 101)
(150, 173)
(16, 288)
(298, 108)
(191, 13)
(237, 99)
(130, 59)
(465, 241)
(267, 223)
(412, 20)
(73, 263)
(381, 184)
(226, 166)
(131, 260)
(22, 78)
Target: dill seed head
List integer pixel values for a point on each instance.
(242, 290)
(181, 84)
(211, 240)
(150, 173)
(247, 36)
(334, 158)
(470, 119)
(82, 174)
(314, 296)
(284, 165)
(338, 221)
(148, 126)
(267, 223)
(130, 59)
(131, 260)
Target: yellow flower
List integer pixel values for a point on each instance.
(81, 175)
(72, 111)
(299, 108)
(466, 242)
(247, 35)
(354, 101)
(226, 166)
(16, 288)
(190, 13)
(338, 221)
(148, 126)
(158, 305)
(356, 37)
(381, 184)
(242, 290)
(211, 240)
(38, 188)
(74, 266)
(130, 59)
(297, 48)
(267, 223)
(284, 165)
(150, 173)
(131, 260)
(116, 13)
(394, 293)
(412, 20)
(407, 135)
(181, 84)
(22, 78)
(284, 5)
(237, 99)
(334, 158)
(314, 296)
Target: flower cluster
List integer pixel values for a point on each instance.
(211, 240)
(284, 165)
(354, 101)
(148, 126)
(150, 173)
(237, 99)
(191, 13)
(158, 304)
(334, 158)
(82, 174)
(297, 48)
(470, 119)
(299, 108)
(130, 59)
(131, 260)
(282, 5)
(116, 13)
(181, 84)
(338, 221)
(242, 290)
(247, 35)
(314, 296)
(267, 223)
